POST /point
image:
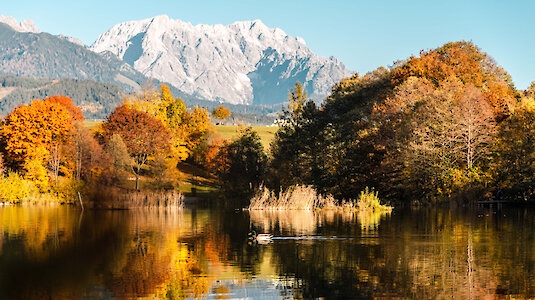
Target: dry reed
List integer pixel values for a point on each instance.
(116, 198)
(305, 197)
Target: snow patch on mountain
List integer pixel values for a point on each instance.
(242, 63)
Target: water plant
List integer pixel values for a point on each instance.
(306, 197)
(110, 197)
(368, 200)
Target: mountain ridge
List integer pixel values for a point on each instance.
(242, 63)
(45, 55)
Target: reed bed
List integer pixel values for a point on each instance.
(306, 197)
(117, 198)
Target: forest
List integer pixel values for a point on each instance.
(446, 126)
(97, 99)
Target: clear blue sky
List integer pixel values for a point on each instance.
(362, 34)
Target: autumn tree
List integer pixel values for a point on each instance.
(187, 129)
(2, 166)
(143, 134)
(469, 64)
(145, 100)
(75, 111)
(530, 91)
(121, 161)
(87, 154)
(221, 112)
(31, 132)
(194, 127)
(297, 98)
(423, 128)
(169, 110)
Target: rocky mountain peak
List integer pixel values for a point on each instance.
(24, 26)
(242, 63)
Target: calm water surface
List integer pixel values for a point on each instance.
(60, 253)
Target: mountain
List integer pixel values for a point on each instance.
(24, 51)
(97, 100)
(241, 63)
(24, 26)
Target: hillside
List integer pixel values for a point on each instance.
(96, 99)
(33, 54)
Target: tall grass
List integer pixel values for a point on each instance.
(305, 197)
(302, 197)
(117, 198)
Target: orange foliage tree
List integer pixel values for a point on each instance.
(143, 134)
(469, 64)
(75, 111)
(29, 134)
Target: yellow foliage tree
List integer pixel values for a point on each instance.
(30, 132)
(221, 112)
(187, 128)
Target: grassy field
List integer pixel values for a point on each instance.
(91, 124)
(266, 133)
(227, 132)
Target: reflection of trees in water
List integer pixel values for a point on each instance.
(172, 256)
(39, 229)
(421, 255)
(450, 269)
(159, 260)
(52, 253)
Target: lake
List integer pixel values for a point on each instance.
(62, 253)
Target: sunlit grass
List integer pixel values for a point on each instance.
(266, 133)
(91, 124)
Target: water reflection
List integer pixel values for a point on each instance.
(306, 222)
(59, 253)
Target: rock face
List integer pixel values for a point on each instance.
(241, 63)
(24, 26)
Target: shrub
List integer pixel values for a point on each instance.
(368, 200)
(66, 191)
(15, 189)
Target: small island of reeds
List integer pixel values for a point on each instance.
(306, 197)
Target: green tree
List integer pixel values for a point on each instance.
(242, 164)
